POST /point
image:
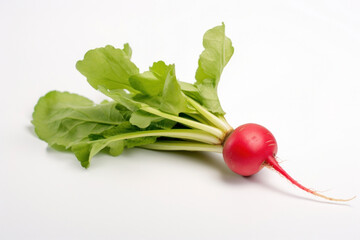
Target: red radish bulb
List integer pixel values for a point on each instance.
(247, 148)
(250, 147)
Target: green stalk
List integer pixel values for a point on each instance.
(183, 146)
(189, 134)
(219, 123)
(199, 118)
(190, 123)
(222, 118)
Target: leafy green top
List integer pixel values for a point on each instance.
(217, 53)
(152, 109)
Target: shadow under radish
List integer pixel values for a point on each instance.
(206, 159)
(215, 161)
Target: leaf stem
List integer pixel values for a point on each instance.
(209, 129)
(199, 118)
(219, 123)
(223, 119)
(189, 134)
(183, 146)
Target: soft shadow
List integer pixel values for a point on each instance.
(258, 179)
(216, 161)
(210, 160)
(30, 129)
(65, 157)
(56, 154)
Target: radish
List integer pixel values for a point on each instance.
(154, 110)
(250, 147)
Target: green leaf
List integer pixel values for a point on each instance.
(209, 97)
(173, 100)
(122, 97)
(147, 83)
(144, 119)
(162, 124)
(146, 106)
(127, 49)
(151, 83)
(85, 151)
(157, 88)
(191, 91)
(62, 118)
(160, 69)
(136, 142)
(217, 53)
(88, 148)
(124, 127)
(115, 148)
(108, 66)
(134, 104)
(160, 89)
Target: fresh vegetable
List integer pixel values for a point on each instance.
(250, 147)
(154, 110)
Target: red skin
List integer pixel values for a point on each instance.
(250, 147)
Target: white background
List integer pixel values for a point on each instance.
(295, 70)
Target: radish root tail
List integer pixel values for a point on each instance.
(273, 164)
